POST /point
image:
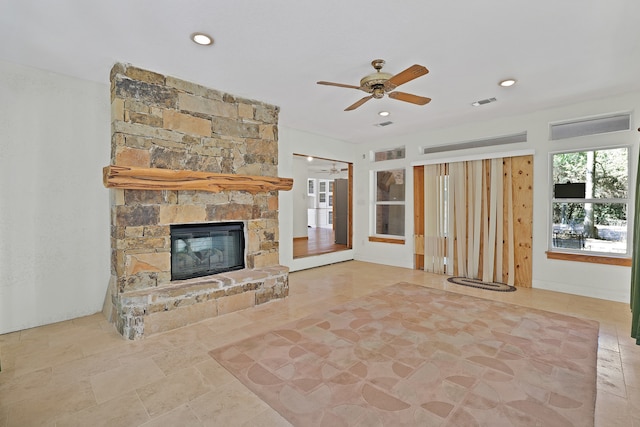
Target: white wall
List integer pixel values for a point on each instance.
(595, 280)
(290, 142)
(54, 210)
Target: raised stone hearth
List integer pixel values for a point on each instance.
(160, 122)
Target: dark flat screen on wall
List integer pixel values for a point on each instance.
(569, 191)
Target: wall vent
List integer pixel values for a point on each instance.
(590, 126)
(486, 142)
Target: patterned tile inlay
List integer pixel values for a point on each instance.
(408, 355)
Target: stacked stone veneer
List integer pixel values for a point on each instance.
(164, 122)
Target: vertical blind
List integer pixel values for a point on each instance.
(469, 220)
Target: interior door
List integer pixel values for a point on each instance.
(341, 210)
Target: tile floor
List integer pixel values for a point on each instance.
(81, 372)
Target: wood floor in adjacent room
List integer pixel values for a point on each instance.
(81, 372)
(319, 241)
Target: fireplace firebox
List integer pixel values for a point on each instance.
(203, 249)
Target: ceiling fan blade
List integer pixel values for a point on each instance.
(359, 103)
(405, 76)
(408, 97)
(339, 85)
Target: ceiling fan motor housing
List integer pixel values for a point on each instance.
(375, 81)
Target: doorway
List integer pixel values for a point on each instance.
(322, 217)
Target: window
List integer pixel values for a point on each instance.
(590, 201)
(393, 154)
(311, 187)
(322, 193)
(389, 202)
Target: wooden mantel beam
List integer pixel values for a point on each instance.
(134, 178)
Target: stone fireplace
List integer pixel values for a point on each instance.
(183, 154)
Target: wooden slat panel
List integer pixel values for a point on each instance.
(418, 242)
(522, 176)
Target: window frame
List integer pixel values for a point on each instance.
(584, 255)
(381, 237)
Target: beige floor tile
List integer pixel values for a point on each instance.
(231, 404)
(87, 366)
(100, 343)
(4, 416)
(15, 389)
(608, 341)
(115, 382)
(215, 375)
(268, 418)
(182, 357)
(610, 375)
(231, 320)
(631, 373)
(220, 338)
(611, 411)
(47, 330)
(143, 349)
(126, 410)
(44, 408)
(11, 337)
(182, 416)
(630, 354)
(176, 389)
(51, 356)
(185, 335)
(94, 321)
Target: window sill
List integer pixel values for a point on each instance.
(386, 240)
(594, 259)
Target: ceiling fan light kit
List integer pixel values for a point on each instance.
(334, 170)
(379, 83)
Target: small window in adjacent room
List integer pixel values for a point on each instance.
(389, 202)
(590, 202)
(311, 187)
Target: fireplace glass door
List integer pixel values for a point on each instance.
(203, 249)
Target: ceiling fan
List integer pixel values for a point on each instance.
(379, 83)
(334, 170)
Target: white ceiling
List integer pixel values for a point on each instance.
(561, 51)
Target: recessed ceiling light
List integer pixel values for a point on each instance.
(202, 39)
(310, 159)
(383, 113)
(507, 82)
